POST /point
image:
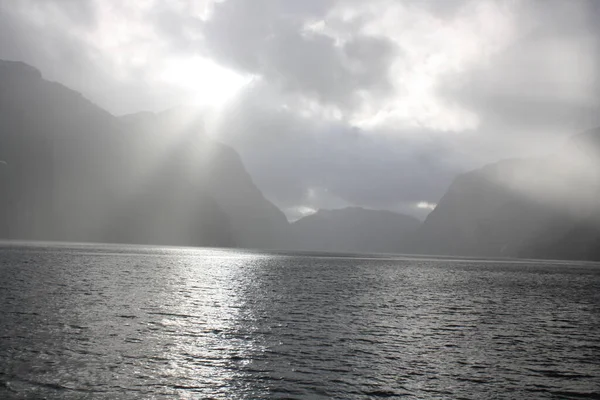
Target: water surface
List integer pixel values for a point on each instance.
(106, 322)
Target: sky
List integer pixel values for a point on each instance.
(334, 103)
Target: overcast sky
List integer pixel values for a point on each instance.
(333, 103)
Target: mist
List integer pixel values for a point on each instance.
(330, 105)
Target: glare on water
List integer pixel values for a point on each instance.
(142, 322)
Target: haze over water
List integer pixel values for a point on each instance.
(99, 321)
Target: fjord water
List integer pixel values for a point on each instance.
(108, 322)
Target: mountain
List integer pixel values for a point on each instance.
(544, 207)
(575, 236)
(255, 222)
(353, 229)
(71, 171)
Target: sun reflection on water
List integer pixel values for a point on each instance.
(204, 317)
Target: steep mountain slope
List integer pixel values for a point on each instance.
(575, 235)
(524, 207)
(353, 229)
(255, 222)
(71, 171)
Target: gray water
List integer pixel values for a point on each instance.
(102, 322)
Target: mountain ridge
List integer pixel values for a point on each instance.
(511, 207)
(353, 229)
(73, 171)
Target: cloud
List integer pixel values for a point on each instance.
(426, 205)
(284, 43)
(378, 104)
(546, 80)
(318, 163)
(112, 51)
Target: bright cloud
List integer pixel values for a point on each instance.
(430, 48)
(206, 82)
(424, 205)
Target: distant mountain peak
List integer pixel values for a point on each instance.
(353, 229)
(358, 210)
(18, 69)
(533, 207)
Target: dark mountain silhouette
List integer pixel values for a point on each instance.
(72, 171)
(255, 222)
(575, 235)
(353, 229)
(547, 207)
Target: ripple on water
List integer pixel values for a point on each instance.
(142, 322)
